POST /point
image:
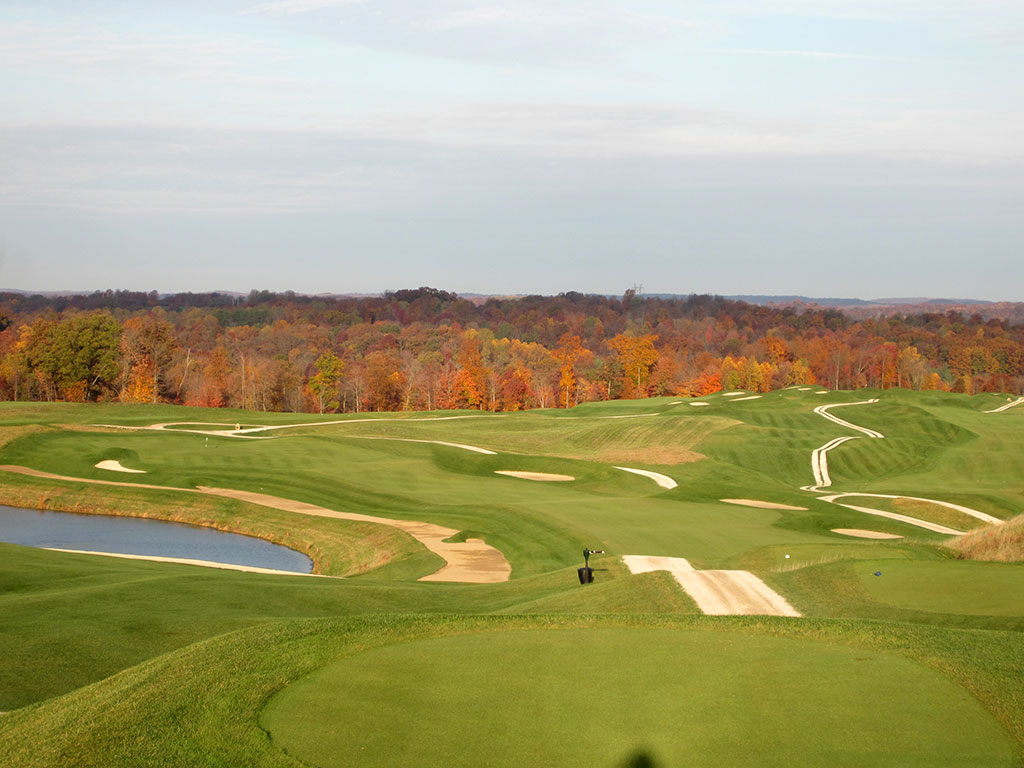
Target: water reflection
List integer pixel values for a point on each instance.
(137, 536)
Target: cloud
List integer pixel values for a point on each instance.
(71, 49)
(420, 162)
(797, 53)
(294, 7)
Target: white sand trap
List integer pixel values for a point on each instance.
(700, 403)
(470, 561)
(761, 504)
(189, 561)
(628, 416)
(821, 392)
(802, 389)
(543, 477)
(860, 533)
(733, 394)
(115, 466)
(748, 397)
(663, 480)
(717, 593)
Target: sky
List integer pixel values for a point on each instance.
(869, 148)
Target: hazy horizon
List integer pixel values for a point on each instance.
(734, 147)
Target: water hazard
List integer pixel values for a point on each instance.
(137, 536)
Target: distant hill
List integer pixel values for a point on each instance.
(836, 302)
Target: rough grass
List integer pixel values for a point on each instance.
(1003, 543)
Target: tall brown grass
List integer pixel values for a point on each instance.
(993, 542)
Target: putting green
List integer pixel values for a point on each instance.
(618, 697)
(975, 589)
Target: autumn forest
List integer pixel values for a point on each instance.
(430, 349)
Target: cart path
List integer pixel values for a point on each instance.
(901, 518)
(472, 561)
(717, 593)
(1002, 408)
(822, 479)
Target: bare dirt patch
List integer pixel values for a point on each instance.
(655, 454)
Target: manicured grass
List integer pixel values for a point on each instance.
(61, 612)
(153, 714)
(974, 589)
(119, 663)
(607, 696)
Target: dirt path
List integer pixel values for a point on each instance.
(946, 531)
(819, 463)
(472, 561)
(1002, 408)
(823, 410)
(819, 466)
(717, 593)
(985, 518)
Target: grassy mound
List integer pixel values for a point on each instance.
(614, 696)
(1003, 543)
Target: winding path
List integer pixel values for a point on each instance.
(819, 466)
(1002, 408)
(471, 561)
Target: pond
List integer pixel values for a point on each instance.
(139, 536)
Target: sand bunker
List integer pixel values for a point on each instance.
(700, 403)
(470, 561)
(860, 533)
(733, 394)
(115, 466)
(761, 504)
(663, 480)
(821, 392)
(717, 593)
(748, 397)
(543, 477)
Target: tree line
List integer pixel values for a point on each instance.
(430, 349)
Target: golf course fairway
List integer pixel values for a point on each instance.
(121, 663)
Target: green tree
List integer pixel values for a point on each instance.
(323, 385)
